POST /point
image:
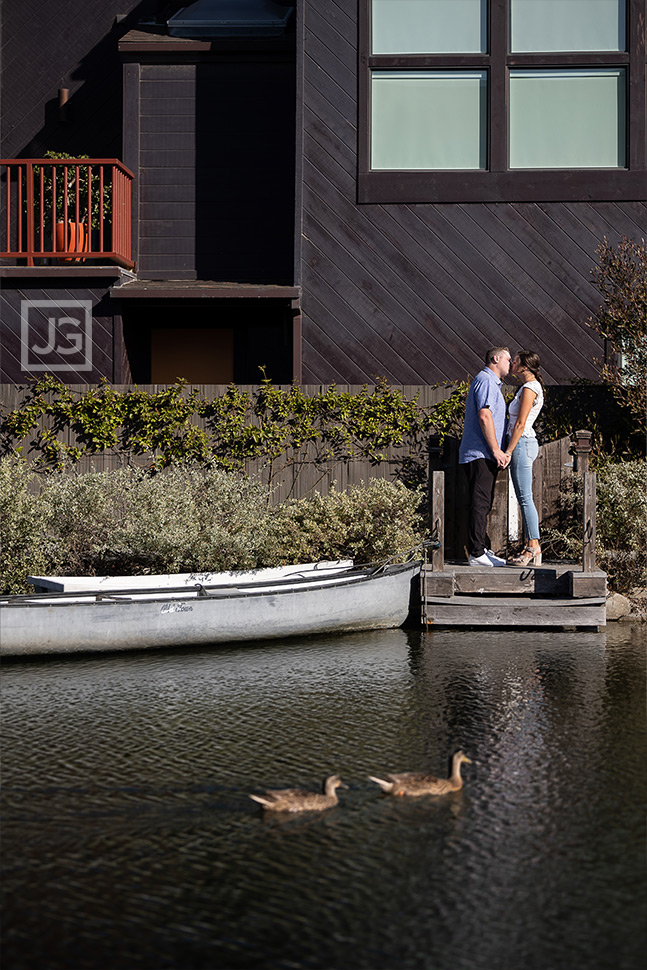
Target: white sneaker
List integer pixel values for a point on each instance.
(483, 560)
(495, 560)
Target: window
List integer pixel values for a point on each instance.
(502, 100)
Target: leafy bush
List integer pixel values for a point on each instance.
(615, 408)
(622, 513)
(21, 522)
(178, 520)
(366, 523)
(621, 319)
(591, 407)
(53, 198)
(621, 523)
(186, 519)
(274, 426)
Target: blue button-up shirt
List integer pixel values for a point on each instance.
(485, 392)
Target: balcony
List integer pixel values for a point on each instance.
(65, 212)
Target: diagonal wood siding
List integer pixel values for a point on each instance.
(71, 44)
(105, 323)
(417, 293)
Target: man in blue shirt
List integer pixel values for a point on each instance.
(481, 450)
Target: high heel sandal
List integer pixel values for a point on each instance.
(529, 557)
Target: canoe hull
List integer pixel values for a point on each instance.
(379, 601)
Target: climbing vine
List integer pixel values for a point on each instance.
(57, 426)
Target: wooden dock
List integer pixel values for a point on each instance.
(552, 595)
(535, 596)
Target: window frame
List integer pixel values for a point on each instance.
(498, 183)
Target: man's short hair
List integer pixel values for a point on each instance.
(494, 352)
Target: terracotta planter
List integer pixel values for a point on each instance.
(71, 238)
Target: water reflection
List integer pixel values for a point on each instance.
(130, 840)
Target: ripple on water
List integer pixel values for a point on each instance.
(130, 840)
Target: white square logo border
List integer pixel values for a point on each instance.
(84, 343)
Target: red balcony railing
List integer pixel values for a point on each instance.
(65, 211)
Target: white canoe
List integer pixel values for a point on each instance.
(66, 584)
(102, 621)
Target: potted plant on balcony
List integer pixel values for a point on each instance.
(59, 204)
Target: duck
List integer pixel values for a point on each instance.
(415, 784)
(300, 800)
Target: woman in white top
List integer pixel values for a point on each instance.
(523, 448)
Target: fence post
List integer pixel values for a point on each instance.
(582, 449)
(438, 520)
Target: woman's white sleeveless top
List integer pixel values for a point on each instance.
(537, 404)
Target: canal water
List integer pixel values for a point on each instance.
(130, 841)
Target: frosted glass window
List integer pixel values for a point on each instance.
(567, 119)
(429, 26)
(568, 25)
(428, 120)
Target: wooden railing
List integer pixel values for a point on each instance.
(65, 211)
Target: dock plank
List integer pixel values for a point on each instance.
(558, 595)
(511, 612)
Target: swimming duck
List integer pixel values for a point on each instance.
(411, 783)
(299, 800)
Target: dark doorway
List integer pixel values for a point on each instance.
(211, 342)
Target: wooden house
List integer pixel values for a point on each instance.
(335, 191)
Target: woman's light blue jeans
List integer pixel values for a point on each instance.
(523, 456)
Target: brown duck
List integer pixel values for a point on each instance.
(411, 783)
(299, 800)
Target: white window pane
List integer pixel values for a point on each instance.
(568, 25)
(428, 120)
(429, 26)
(567, 119)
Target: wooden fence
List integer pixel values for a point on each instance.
(555, 461)
(289, 479)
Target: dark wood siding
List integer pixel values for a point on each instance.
(70, 44)
(419, 292)
(105, 327)
(216, 167)
(167, 171)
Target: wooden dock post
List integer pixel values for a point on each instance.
(438, 520)
(582, 449)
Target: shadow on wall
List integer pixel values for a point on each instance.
(90, 123)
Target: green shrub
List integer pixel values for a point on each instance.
(21, 526)
(186, 519)
(622, 505)
(621, 320)
(367, 523)
(129, 521)
(622, 529)
(621, 523)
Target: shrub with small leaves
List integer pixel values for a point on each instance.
(367, 523)
(22, 551)
(187, 518)
(621, 523)
(621, 319)
(130, 521)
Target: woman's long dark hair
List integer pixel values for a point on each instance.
(530, 360)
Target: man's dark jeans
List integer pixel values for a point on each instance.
(481, 479)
